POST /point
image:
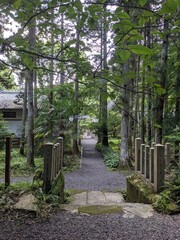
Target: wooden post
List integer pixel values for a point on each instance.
(142, 160)
(138, 142)
(159, 165)
(48, 160)
(60, 140)
(167, 154)
(58, 158)
(151, 177)
(7, 162)
(147, 167)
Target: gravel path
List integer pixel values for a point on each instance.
(19, 179)
(64, 225)
(93, 174)
(67, 226)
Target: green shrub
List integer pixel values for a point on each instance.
(4, 132)
(169, 202)
(111, 158)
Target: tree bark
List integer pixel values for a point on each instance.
(30, 93)
(23, 127)
(163, 77)
(76, 95)
(124, 149)
(104, 115)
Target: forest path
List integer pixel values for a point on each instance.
(93, 174)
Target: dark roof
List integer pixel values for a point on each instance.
(9, 100)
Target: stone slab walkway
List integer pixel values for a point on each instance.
(98, 199)
(99, 186)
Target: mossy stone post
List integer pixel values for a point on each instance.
(142, 159)
(159, 165)
(48, 160)
(60, 140)
(147, 149)
(167, 154)
(151, 157)
(138, 142)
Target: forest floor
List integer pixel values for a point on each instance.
(68, 225)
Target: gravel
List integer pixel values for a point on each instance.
(68, 226)
(93, 174)
(62, 225)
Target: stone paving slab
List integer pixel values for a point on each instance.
(80, 199)
(98, 198)
(114, 198)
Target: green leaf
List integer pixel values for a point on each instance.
(122, 15)
(71, 42)
(139, 49)
(17, 4)
(78, 4)
(170, 6)
(124, 55)
(91, 22)
(142, 2)
(71, 12)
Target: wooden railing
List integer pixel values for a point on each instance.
(150, 163)
(53, 162)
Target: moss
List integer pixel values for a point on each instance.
(97, 209)
(137, 190)
(164, 204)
(58, 187)
(74, 191)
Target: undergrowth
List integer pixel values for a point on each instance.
(169, 201)
(111, 158)
(19, 166)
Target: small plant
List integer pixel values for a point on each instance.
(169, 202)
(111, 158)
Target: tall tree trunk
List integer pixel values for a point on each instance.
(124, 149)
(35, 95)
(160, 99)
(136, 110)
(30, 122)
(76, 95)
(50, 129)
(104, 116)
(177, 109)
(149, 98)
(23, 127)
(62, 45)
(142, 111)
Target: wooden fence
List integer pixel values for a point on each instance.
(53, 162)
(150, 163)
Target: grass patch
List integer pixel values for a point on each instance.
(71, 163)
(97, 209)
(19, 166)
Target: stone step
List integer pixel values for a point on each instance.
(109, 199)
